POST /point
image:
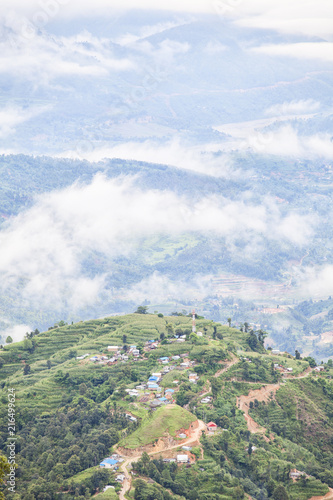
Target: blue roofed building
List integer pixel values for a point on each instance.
(108, 463)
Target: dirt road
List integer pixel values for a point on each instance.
(229, 364)
(195, 436)
(262, 394)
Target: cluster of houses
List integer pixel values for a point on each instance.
(283, 369)
(113, 463)
(116, 355)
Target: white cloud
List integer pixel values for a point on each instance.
(319, 26)
(283, 139)
(16, 332)
(286, 141)
(305, 50)
(315, 281)
(44, 248)
(300, 107)
(171, 152)
(159, 288)
(38, 57)
(13, 115)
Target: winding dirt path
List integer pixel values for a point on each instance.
(263, 394)
(195, 436)
(229, 365)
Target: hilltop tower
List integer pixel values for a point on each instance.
(193, 321)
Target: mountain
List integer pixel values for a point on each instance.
(204, 251)
(82, 395)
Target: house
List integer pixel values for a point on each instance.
(152, 386)
(175, 358)
(182, 459)
(319, 369)
(211, 426)
(120, 478)
(193, 377)
(296, 474)
(136, 352)
(206, 400)
(108, 463)
(163, 358)
(153, 379)
(129, 417)
(276, 351)
(175, 382)
(187, 448)
(180, 340)
(113, 348)
(182, 436)
(157, 374)
(199, 334)
(171, 391)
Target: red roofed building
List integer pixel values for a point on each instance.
(211, 426)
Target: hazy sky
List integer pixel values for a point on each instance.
(62, 228)
(298, 16)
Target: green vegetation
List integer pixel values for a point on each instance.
(70, 412)
(165, 421)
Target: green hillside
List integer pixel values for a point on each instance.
(76, 403)
(165, 421)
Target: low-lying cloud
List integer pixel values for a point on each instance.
(171, 152)
(320, 51)
(43, 250)
(13, 115)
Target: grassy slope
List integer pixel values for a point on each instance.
(166, 420)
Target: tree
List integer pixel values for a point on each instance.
(280, 493)
(162, 336)
(2, 362)
(4, 470)
(9, 340)
(142, 310)
(249, 450)
(214, 332)
(261, 336)
(246, 327)
(297, 354)
(49, 364)
(124, 339)
(26, 369)
(238, 493)
(229, 321)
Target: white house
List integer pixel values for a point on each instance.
(182, 459)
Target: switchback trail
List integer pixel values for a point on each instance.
(195, 436)
(263, 394)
